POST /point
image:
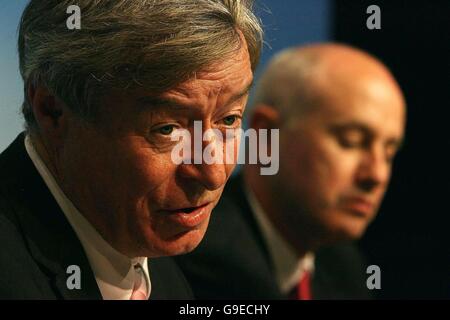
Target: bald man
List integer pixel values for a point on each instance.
(341, 117)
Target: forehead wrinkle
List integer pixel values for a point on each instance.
(215, 88)
(193, 95)
(210, 86)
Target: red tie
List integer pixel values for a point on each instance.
(304, 287)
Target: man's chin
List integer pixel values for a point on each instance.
(181, 244)
(344, 228)
(351, 230)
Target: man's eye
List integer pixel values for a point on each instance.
(230, 120)
(350, 143)
(166, 130)
(390, 154)
(352, 140)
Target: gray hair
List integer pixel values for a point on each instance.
(126, 44)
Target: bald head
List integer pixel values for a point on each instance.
(341, 117)
(299, 78)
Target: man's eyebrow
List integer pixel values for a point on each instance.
(158, 101)
(351, 125)
(241, 94)
(397, 143)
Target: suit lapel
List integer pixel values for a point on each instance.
(236, 189)
(51, 240)
(323, 284)
(168, 282)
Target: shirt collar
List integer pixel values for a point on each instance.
(113, 271)
(289, 267)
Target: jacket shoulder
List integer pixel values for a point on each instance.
(168, 282)
(20, 276)
(341, 273)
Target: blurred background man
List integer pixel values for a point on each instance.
(341, 117)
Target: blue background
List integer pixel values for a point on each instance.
(11, 91)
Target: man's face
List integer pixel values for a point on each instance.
(336, 158)
(120, 173)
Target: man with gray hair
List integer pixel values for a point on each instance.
(341, 117)
(90, 201)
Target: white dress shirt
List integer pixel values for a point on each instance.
(113, 271)
(289, 268)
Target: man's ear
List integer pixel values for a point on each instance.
(268, 118)
(265, 117)
(49, 112)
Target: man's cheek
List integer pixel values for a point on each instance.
(149, 165)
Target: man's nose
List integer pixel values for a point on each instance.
(212, 175)
(374, 171)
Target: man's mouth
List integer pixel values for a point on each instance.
(187, 210)
(190, 217)
(360, 206)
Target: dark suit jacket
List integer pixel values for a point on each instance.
(38, 243)
(233, 262)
